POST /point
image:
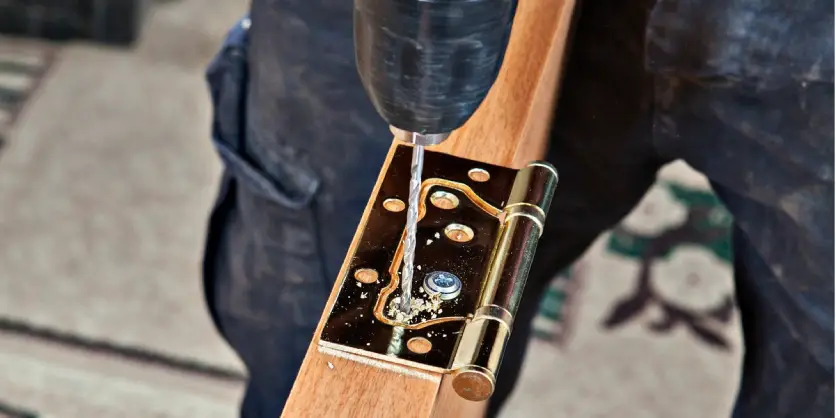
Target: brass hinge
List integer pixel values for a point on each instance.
(477, 233)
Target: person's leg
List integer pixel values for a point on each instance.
(781, 375)
(302, 148)
(746, 96)
(767, 146)
(783, 205)
(601, 148)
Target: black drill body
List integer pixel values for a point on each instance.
(428, 64)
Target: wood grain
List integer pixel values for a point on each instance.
(509, 129)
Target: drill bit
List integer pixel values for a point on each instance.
(411, 224)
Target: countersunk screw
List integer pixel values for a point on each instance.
(446, 284)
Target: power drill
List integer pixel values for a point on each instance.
(427, 65)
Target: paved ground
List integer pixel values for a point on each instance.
(106, 177)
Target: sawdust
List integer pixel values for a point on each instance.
(417, 306)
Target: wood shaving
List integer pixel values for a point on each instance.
(417, 306)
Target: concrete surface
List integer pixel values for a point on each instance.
(56, 381)
(106, 185)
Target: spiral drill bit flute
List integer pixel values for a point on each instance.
(411, 225)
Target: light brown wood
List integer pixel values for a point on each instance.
(509, 129)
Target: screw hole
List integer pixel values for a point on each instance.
(444, 200)
(478, 174)
(419, 345)
(458, 232)
(365, 275)
(394, 205)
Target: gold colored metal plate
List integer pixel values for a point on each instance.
(485, 242)
(361, 321)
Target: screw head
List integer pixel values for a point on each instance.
(443, 283)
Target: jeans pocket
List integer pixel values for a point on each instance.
(227, 79)
(262, 227)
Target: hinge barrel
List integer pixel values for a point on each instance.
(479, 352)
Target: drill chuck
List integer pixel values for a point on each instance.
(427, 65)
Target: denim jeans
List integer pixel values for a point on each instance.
(742, 90)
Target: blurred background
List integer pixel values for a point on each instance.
(107, 175)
